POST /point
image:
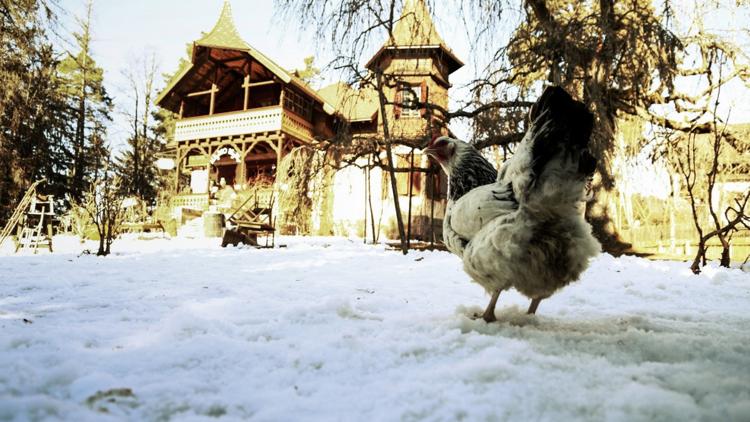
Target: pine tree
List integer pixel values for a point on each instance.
(33, 111)
(84, 88)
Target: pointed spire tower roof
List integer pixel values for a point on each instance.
(224, 34)
(416, 30)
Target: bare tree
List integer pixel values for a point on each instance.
(103, 203)
(620, 58)
(690, 154)
(137, 164)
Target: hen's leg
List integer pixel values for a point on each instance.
(533, 306)
(489, 313)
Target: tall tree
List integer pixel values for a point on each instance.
(33, 112)
(89, 102)
(137, 165)
(620, 58)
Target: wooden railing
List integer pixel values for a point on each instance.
(297, 126)
(197, 201)
(257, 120)
(228, 124)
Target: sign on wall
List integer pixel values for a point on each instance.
(231, 152)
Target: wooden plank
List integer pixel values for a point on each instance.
(255, 84)
(199, 93)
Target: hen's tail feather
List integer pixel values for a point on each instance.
(560, 125)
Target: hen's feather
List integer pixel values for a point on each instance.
(470, 170)
(526, 230)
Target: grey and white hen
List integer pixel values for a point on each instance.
(524, 228)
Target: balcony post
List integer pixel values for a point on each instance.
(213, 99)
(279, 152)
(246, 86)
(243, 163)
(178, 165)
(209, 170)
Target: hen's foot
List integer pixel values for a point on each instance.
(533, 306)
(489, 313)
(487, 317)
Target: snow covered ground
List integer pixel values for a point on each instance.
(330, 329)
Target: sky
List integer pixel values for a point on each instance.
(126, 31)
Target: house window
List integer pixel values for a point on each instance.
(298, 104)
(409, 99)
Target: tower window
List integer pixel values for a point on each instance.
(409, 100)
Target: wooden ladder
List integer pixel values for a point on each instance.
(30, 236)
(19, 212)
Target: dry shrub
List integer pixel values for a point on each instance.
(304, 182)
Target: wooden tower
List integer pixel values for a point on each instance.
(418, 58)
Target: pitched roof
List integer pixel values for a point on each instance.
(224, 35)
(416, 30)
(356, 105)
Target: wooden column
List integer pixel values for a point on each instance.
(177, 168)
(182, 108)
(246, 85)
(240, 176)
(214, 89)
(279, 152)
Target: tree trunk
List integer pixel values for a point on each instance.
(391, 163)
(411, 188)
(602, 226)
(700, 255)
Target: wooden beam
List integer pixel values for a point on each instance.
(263, 156)
(261, 83)
(252, 145)
(246, 86)
(182, 108)
(199, 93)
(229, 59)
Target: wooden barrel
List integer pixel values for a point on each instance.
(213, 224)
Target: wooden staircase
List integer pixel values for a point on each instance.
(252, 218)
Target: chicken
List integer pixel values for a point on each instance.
(523, 230)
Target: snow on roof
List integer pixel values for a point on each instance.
(354, 104)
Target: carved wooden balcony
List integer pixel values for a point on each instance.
(266, 119)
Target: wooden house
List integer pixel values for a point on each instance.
(417, 64)
(239, 112)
